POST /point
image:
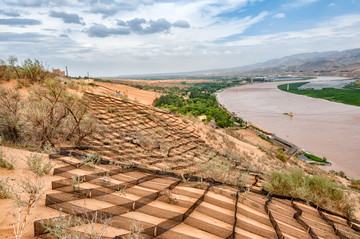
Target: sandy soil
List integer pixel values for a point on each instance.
(21, 171)
(13, 84)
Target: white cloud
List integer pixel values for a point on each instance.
(332, 5)
(279, 15)
(199, 36)
(299, 3)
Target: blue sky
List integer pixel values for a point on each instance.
(118, 37)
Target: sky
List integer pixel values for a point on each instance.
(123, 37)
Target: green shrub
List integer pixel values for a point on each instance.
(317, 189)
(37, 164)
(281, 156)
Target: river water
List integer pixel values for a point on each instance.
(324, 128)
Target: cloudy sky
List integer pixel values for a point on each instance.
(119, 37)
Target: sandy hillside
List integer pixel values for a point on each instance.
(142, 96)
(158, 149)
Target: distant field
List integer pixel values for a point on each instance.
(346, 96)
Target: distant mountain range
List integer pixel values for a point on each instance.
(344, 63)
(330, 63)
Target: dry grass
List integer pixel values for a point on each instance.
(4, 188)
(5, 163)
(320, 190)
(39, 164)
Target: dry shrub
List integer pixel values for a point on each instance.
(34, 71)
(10, 115)
(282, 157)
(53, 113)
(38, 164)
(75, 227)
(4, 188)
(216, 169)
(25, 196)
(136, 228)
(145, 141)
(5, 163)
(9, 70)
(169, 196)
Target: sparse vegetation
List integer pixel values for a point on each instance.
(31, 71)
(11, 124)
(66, 227)
(60, 227)
(25, 196)
(355, 184)
(5, 163)
(169, 196)
(317, 189)
(54, 113)
(281, 156)
(75, 183)
(50, 113)
(91, 160)
(136, 228)
(38, 164)
(4, 188)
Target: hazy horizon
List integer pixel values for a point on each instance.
(116, 37)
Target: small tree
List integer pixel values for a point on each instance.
(80, 122)
(33, 70)
(46, 111)
(54, 113)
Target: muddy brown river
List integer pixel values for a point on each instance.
(324, 128)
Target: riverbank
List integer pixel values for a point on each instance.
(327, 129)
(346, 96)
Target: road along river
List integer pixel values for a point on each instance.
(326, 129)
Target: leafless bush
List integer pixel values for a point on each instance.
(54, 113)
(169, 196)
(136, 229)
(46, 112)
(25, 196)
(81, 121)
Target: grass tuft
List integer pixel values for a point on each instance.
(37, 164)
(320, 190)
(4, 188)
(4, 163)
